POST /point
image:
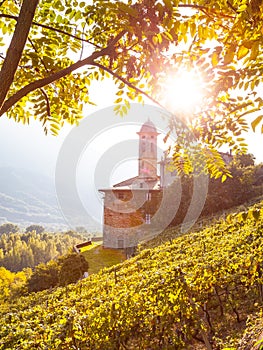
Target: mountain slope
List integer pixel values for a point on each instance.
(194, 292)
(27, 197)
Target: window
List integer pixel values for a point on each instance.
(151, 147)
(148, 219)
(141, 185)
(121, 195)
(120, 243)
(148, 196)
(143, 147)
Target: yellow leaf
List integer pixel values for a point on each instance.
(118, 100)
(214, 59)
(224, 177)
(155, 40)
(254, 50)
(55, 126)
(242, 8)
(229, 57)
(242, 52)
(255, 122)
(247, 43)
(169, 36)
(160, 39)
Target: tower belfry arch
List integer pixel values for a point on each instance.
(147, 162)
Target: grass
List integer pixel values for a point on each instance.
(99, 257)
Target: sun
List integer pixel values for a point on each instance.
(183, 92)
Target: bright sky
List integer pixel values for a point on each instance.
(16, 140)
(109, 156)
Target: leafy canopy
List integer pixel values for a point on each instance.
(59, 47)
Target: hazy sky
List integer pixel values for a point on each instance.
(109, 154)
(26, 146)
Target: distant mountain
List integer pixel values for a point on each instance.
(27, 197)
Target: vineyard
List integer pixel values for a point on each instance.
(198, 291)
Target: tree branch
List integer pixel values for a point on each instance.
(16, 46)
(90, 60)
(126, 82)
(47, 101)
(231, 6)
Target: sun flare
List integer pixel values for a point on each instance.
(184, 92)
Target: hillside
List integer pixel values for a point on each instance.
(199, 291)
(176, 231)
(100, 257)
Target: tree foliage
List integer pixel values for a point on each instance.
(21, 250)
(67, 269)
(37, 228)
(242, 187)
(60, 49)
(45, 276)
(11, 284)
(8, 228)
(244, 160)
(72, 268)
(138, 43)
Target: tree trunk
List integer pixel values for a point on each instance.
(16, 46)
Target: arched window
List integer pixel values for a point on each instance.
(148, 196)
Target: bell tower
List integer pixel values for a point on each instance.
(148, 150)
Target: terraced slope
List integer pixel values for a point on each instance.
(194, 292)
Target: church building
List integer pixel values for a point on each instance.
(130, 205)
(136, 209)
